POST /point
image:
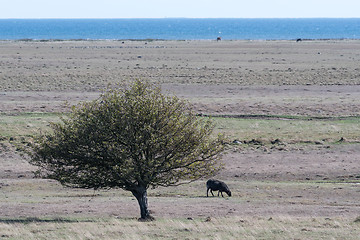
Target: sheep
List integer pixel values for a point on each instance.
(216, 185)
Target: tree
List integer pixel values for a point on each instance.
(131, 138)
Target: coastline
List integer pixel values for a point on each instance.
(172, 40)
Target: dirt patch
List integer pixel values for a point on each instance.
(326, 101)
(93, 65)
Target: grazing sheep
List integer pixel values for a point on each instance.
(216, 185)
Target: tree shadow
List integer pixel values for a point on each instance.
(43, 220)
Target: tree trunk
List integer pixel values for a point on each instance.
(141, 195)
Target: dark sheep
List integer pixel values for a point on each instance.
(216, 185)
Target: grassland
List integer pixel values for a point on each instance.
(218, 228)
(293, 107)
(21, 125)
(289, 129)
(101, 224)
(90, 214)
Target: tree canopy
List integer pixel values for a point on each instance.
(131, 138)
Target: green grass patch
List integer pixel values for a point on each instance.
(298, 130)
(25, 124)
(289, 129)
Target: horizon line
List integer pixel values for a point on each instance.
(74, 18)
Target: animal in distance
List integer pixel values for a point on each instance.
(216, 185)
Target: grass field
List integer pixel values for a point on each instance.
(291, 130)
(89, 226)
(25, 124)
(305, 94)
(76, 225)
(218, 228)
(285, 128)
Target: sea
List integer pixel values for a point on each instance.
(180, 29)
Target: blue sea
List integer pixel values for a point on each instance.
(180, 29)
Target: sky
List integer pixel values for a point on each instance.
(180, 8)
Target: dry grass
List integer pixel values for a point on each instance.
(201, 228)
(92, 65)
